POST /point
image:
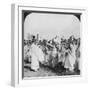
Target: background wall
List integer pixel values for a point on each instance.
(5, 41)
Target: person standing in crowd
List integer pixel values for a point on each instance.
(36, 56)
(67, 63)
(27, 52)
(54, 56)
(72, 57)
(70, 54)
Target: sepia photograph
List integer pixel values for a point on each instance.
(51, 43)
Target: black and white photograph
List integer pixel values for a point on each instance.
(51, 43)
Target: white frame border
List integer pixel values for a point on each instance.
(16, 52)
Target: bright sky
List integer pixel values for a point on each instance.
(50, 25)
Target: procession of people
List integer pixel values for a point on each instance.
(52, 52)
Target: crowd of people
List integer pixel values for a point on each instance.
(51, 52)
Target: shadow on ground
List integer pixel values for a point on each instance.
(45, 70)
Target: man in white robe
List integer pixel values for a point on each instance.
(36, 57)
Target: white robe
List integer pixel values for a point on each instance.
(67, 63)
(34, 62)
(36, 57)
(72, 57)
